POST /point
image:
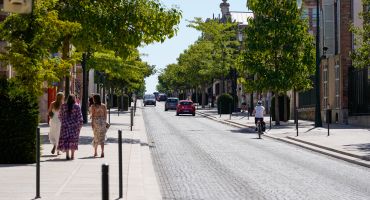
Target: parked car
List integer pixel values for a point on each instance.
(171, 104)
(162, 97)
(185, 107)
(149, 99)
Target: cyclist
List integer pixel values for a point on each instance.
(258, 112)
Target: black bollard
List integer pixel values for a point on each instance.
(120, 162)
(135, 107)
(105, 181)
(328, 119)
(296, 120)
(109, 115)
(38, 164)
(132, 118)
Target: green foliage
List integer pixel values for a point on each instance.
(360, 55)
(211, 56)
(18, 123)
(128, 73)
(225, 46)
(224, 104)
(31, 38)
(172, 78)
(120, 26)
(279, 50)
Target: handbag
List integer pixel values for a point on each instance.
(107, 125)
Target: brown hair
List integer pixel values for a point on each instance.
(70, 102)
(58, 101)
(97, 100)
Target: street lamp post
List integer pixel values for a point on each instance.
(318, 121)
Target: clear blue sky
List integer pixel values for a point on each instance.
(162, 54)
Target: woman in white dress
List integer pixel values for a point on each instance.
(54, 121)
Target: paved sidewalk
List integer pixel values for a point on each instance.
(80, 178)
(345, 142)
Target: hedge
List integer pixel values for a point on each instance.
(224, 104)
(18, 122)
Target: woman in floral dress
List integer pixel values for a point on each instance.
(71, 123)
(99, 124)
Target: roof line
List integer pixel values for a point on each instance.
(241, 11)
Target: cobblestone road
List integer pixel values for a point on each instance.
(196, 158)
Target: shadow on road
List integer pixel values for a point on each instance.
(365, 147)
(244, 131)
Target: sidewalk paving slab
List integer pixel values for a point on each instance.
(80, 179)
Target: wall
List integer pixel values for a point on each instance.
(363, 121)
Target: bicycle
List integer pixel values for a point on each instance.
(259, 128)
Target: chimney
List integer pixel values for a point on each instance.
(225, 9)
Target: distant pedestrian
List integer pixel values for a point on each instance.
(71, 123)
(99, 124)
(54, 132)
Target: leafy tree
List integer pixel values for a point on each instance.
(197, 64)
(128, 73)
(360, 55)
(172, 79)
(31, 38)
(210, 57)
(279, 50)
(225, 45)
(120, 26)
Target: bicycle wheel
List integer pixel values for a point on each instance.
(259, 128)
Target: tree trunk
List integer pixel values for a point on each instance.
(285, 108)
(277, 114)
(203, 97)
(222, 85)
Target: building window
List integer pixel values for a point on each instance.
(337, 86)
(325, 86)
(328, 17)
(314, 17)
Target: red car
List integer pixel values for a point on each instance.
(185, 107)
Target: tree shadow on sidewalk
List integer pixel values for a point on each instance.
(124, 141)
(365, 147)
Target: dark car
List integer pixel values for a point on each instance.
(149, 99)
(162, 97)
(185, 107)
(171, 104)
